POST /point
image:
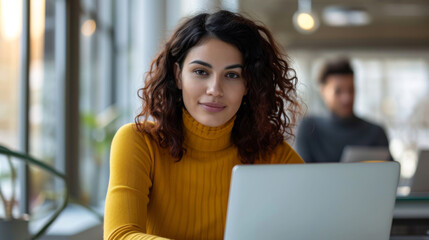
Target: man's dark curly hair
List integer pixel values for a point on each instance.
(271, 106)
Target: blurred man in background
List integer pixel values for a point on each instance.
(323, 139)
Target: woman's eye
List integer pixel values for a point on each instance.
(232, 75)
(200, 72)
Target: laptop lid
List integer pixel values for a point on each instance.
(364, 153)
(312, 201)
(420, 180)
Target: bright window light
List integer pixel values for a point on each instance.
(11, 19)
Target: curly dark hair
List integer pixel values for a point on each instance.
(271, 107)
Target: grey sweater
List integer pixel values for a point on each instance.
(322, 139)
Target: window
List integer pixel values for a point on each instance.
(391, 89)
(98, 114)
(44, 97)
(10, 33)
(10, 39)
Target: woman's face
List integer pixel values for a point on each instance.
(211, 81)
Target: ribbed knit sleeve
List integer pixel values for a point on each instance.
(131, 167)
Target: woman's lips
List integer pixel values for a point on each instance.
(212, 107)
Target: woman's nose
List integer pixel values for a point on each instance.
(214, 87)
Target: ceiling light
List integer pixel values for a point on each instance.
(88, 27)
(305, 21)
(341, 16)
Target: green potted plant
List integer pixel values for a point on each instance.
(99, 130)
(19, 226)
(12, 228)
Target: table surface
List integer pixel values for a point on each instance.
(411, 207)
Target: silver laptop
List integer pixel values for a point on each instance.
(312, 201)
(364, 153)
(420, 181)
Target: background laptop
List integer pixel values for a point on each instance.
(312, 201)
(420, 182)
(364, 153)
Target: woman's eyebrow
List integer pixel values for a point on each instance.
(201, 63)
(210, 66)
(234, 66)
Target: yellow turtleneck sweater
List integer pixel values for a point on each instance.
(151, 195)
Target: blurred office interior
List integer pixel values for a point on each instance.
(70, 70)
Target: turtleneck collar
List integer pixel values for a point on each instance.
(347, 121)
(204, 138)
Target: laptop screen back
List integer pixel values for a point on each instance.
(364, 153)
(312, 201)
(420, 181)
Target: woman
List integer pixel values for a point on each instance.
(221, 94)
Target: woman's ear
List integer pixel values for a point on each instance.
(177, 73)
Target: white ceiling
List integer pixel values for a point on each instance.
(398, 24)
